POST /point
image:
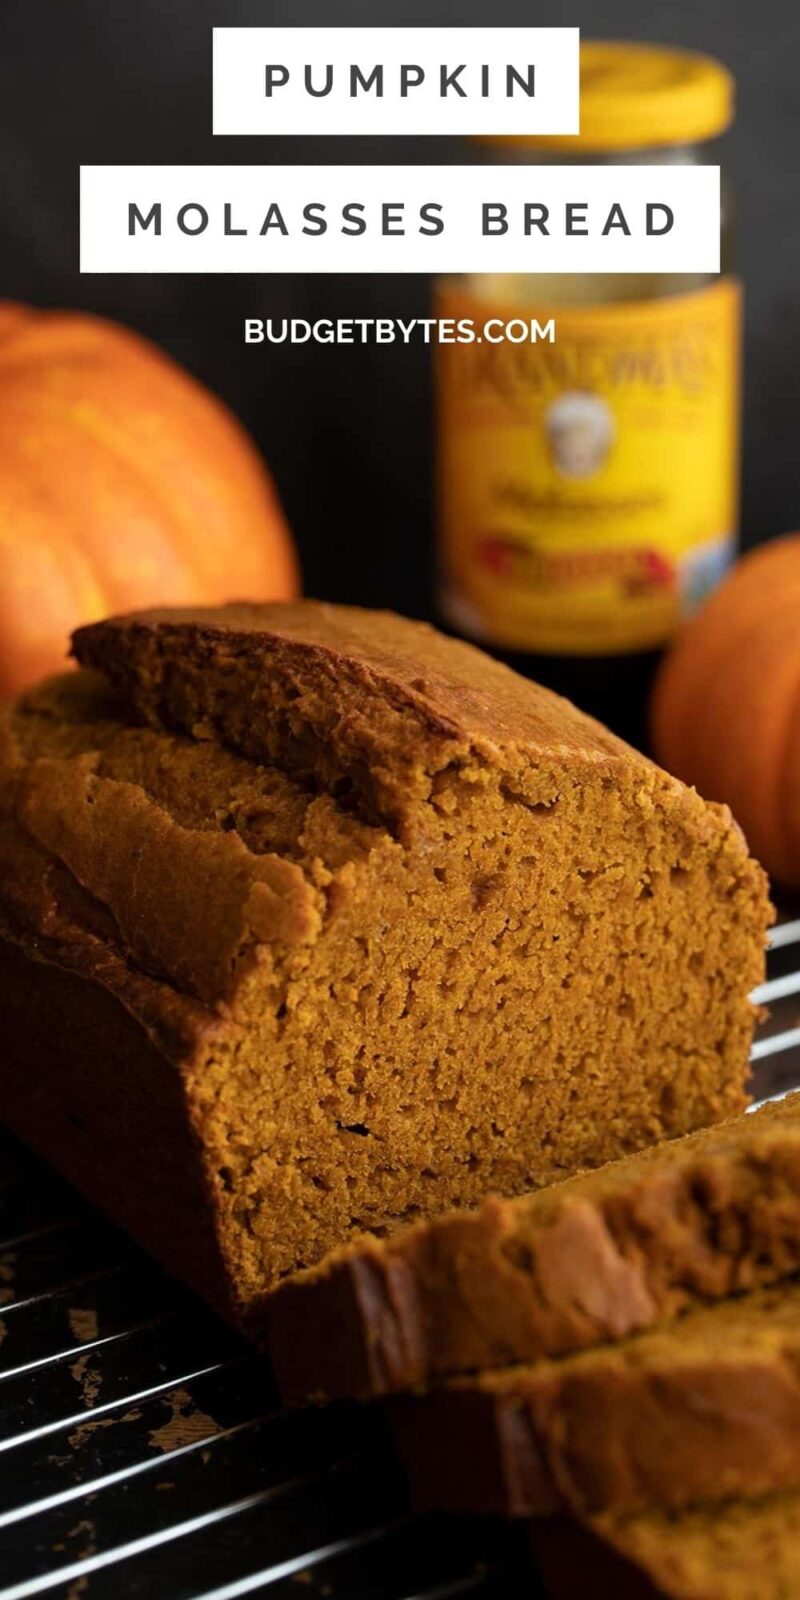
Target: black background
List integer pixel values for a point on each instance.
(347, 430)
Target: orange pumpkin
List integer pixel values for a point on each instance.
(726, 704)
(123, 483)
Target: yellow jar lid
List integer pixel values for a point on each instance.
(636, 96)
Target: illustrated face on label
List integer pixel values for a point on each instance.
(580, 433)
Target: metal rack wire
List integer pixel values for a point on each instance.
(144, 1456)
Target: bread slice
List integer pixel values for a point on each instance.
(316, 921)
(707, 1408)
(589, 1260)
(744, 1550)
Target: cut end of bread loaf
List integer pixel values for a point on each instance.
(394, 926)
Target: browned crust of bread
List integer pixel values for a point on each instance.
(366, 704)
(90, 1070)
(449, 691)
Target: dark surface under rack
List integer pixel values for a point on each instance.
(143, 1455)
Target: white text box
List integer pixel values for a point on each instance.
(396, 80)
(400, 219)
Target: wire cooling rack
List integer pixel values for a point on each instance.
(143, 1453)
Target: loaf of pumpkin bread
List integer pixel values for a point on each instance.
(314, 921)
(704, 1409)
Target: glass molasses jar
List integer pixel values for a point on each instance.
(588, 488)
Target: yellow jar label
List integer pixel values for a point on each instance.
(588, 486)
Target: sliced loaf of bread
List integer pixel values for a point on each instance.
(704, 1409)
(589, 1260)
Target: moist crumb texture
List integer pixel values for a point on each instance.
(315, 922)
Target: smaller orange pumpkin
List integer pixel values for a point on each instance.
(726, 704)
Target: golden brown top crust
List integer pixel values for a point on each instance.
(452, 691)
